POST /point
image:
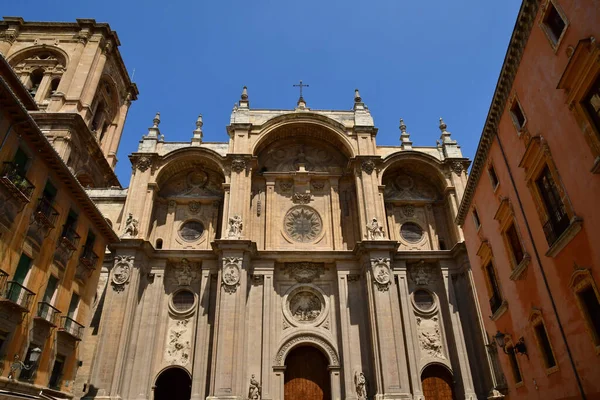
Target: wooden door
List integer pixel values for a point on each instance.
(437, 383)
(306, 375)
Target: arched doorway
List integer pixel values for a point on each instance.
(173, 384)
(306, 375)
(437, 383)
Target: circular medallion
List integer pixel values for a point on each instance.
(191, 231)
(404, 182)
(231, 274)
(197, 179)
(305, 306)
(121, 273)
(411, 232)
(381, 273)
(303, 224)
(183, 300)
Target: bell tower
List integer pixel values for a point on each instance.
(76, 75)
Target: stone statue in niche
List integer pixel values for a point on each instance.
(254, 389)
(430, 337)
(374, 230)
(305, 306)
(234, 230)
(360, 382)
(131, 227)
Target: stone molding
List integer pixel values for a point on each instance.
(310, 338)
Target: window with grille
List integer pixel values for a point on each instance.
(183, 300)
(558, 220)
(411, 232)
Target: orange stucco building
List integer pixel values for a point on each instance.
(530, 211)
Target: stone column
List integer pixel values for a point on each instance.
(391, 367)
(269, 212)
(347, 360)
(269, 333)
(230, 327)
(336, 228)
(114, 136)
(430, 218)
(89, 90)
(368, 196)
(201, 361)
(459, 338)
(241, 173)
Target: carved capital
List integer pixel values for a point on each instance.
(368, 166)
(143, 163)
(238, 165)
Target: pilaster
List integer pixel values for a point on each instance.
(201, 349)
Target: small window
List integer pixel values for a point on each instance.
(514, 365)
(557, 219)
(493, 177)
(423, 300)
(183, 300)
(53, 86)
(592, 103)
(21, 162)
(515, 244)
(70, 224)
(35, 79)
(191, 231)
(476, 218)
(517, 115)
(159, 244)
(544, 344)
(554, 24)
(442, 244)
(411, 232)
(494, 288)
(591, 307)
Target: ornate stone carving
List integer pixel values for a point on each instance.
(305, 306)
(231, 273)
(430, 338)
(360, 383)
(307, 338)
(131, 228)
(304, 272)
(143, 163)
(374, 230)
(254, 391)
(318, 185)
(234, 230)
(286, 324)
(238, 165)
(121, 272)
(178, 346)
(422, 274)
(194, 207)
(380, 267)
(303, 224)
(301, 198)
(286, 186)
(457, 167)
(403, 187)
(408, 210)
(184, 272)
(368, 166)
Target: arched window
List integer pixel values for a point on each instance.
(35, 80)
(53, 87)
(40, 69)
(103, 110)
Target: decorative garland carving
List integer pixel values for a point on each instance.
(304, 272)
(457, 167)
(286, 186)
(430, 338)
(301, 198)
(194, 207)
(179, 347)
(234, 230)
(380, 267)
(121, 272)
(307, 338)
(230, 276)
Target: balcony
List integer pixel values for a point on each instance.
(47, 313)
(16, 296)
(71, 328)
(554, 227)
(87, 264)
(45, 214)
(69, 238)
(16, 183)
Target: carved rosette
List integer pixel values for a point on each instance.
(380, 268)
(303, 224)
(286, 186)
(408, 210)
(368, 166)
(230, 275)
(238, 165)
(422, 274)
(194, 207)
(143, 163)
(304, 272)
(121, 272)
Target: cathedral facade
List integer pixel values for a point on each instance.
(297, 261)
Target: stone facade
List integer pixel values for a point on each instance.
(300, 231)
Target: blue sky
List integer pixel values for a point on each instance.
(418, 60)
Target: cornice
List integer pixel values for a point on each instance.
(514, 53)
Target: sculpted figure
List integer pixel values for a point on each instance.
(234, 231)
(374, 230)
(361, 385)
(131, 227)
(254, 390)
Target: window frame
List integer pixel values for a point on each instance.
(510, 350)
(535, 320)
(580, 280)
(506, 218)
(545, 10)
(487, 258)
(493, 176)
(520, 128)
(476, 219)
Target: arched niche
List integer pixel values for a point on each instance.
(189, 201)
(104, 110)
(417, 203)
(305, 167)
(173, 383)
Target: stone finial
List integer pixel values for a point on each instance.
(244, 102)
(449, 146)
(357, 98)
(153, 131)
(156, 120)
(197, 134)
(443, 125)
(358, 103)
(404, 136)
(445, 137)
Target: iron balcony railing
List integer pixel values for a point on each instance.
(46, 213)
(555, 227)
(495, 302)
(48, 313)
(70, 238)
(88, 258)
(18, 294)
(71, 327)
(16, 181)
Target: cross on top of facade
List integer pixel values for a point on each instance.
(300, 85)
